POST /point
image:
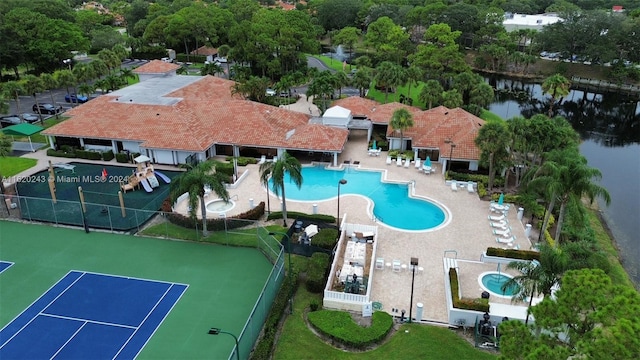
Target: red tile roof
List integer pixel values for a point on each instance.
(156, 67)
(205, 50)
(431, 127)
(206, 115)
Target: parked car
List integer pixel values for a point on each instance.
(47, 109)
(221, 60)
(76, 99)
(8, 120)
(270, 92)
(30, 118)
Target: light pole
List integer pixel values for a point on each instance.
(341, 182)
(453, 146)
(216, 331)
(68, 62)
(290, 268)
(414, 264)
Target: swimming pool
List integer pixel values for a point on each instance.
(493, 281)
(392, 204)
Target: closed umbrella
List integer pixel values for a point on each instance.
(427, 162)
(374, 145)
(501, 199)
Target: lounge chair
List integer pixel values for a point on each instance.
(498, 208)
(379, 263)
(505, 233)
(506, 240)
(388, 160)
(497, 217)
(263, 159)
(407, 163)
(470, 188)
(499, 224)
(417, 163)
(426, 169)
(454, 186)
(396, 266)
(399, 161)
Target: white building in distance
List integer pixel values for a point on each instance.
(515, 22)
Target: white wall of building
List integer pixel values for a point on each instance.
(131, 146)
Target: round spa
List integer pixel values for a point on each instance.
(219, 206)
(492, 282)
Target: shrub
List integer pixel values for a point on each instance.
(394, 153)
(316, 272)
(90, 155)
(60, 153)
(122, 157)
(294, 214)
(218, 224)
(482, 190)
(242, 161)
(477, 304)
(191, 58)
(314, 305)
(108, 155)
(339, 326)
(326, 238)
(513, 254)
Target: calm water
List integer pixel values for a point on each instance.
(609, 126)
(392, 205)
(494, 281)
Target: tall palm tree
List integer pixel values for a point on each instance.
(452, 99)
(194, 181)
(224, 51)
(558, 87)
(126, 74)
(276, 171)
(322, 86)
(33, 85)
(482, 95)
(388, 75)
(362, 80)
(537, 277)
(493, 139)
(211, 69)
(340, 80)
(65, 78)
(401, 120)
(100, 69)
(86, 89)
(413, 75)
(431, 93)
(14, 89)
(50, 84)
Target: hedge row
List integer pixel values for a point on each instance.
(191, 58)
(218, 224)
(264, 346)
(242, 161)
(340, 327)
(477, 304)
(82, 154)
(480, 179)
(326, 238)
(316, 272)
(275, 215)
(513, 254)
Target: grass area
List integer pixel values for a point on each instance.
(10, 166)
(378, 95)
(605, 242)
(334, 64)
(488, 116)
(412, 341)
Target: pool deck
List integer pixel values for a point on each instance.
(467, 232)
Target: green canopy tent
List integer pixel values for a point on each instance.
(23, 129)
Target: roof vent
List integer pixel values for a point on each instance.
(158, 114)
(446, 113)
(130, 100)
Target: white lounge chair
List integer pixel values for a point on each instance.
(417, 164)
(505, 233)
(388, 160)
(263, 159)
(454, 186)
(497, 217)
(407, 163)
(470, 188)
(380, 263)
(498, 208)
(499, 224)
(506, 240)
(426, 169)
(396, 266)
(378, 152)
(399, 161)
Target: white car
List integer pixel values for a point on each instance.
(270, 92)
(221, 60)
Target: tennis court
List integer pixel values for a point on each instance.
(68, 291)
(102, 209)
(94, 315)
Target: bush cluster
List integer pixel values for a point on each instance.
(316, 272)
(191, 58)
(326, 238)
(477, 304)
(513, 254)
(89, 155)
(69, 152)
(122, 157)
(218, 224)
(108, 155)
(60, 153)
(339, 326)
(264, 346)
(275, 215)
(242, 161)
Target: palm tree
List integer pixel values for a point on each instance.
(14, 89)
(340, 80)
(413, 75)
(452, 99)
(431, 93)
(194, 181)
(558, 87)
(388, 75)
(65, 78)
(493, 139)
(224, 51)
(100, 69)
(482, 95)
(537, 277)
(86, 89)
(401, 120)
(276, 171)
(33, 85)
(211, 69)
(362, 80)
(50, 84)
(322, 87)
(126, 74)
(254, 88)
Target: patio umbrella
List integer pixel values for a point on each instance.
(311, 230)
(374, 145)
(501, 199)
(427, 162)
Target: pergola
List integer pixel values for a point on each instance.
(23, 129)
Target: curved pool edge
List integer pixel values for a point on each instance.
(489, 291)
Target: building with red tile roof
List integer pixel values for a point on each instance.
(433, 132)
(156, 68)
(171, 118)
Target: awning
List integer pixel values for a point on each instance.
(23, 129)
(142, 159)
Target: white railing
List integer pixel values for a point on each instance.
(346, 297)
(351, 228)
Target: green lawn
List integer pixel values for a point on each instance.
(378, 95)
(335, 64)
(10, 166)
(412, 341)
(488, 116)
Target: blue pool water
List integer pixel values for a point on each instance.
(392, 205)
(494, 281)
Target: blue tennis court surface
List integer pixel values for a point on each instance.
(90, 316)
(4, 265)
